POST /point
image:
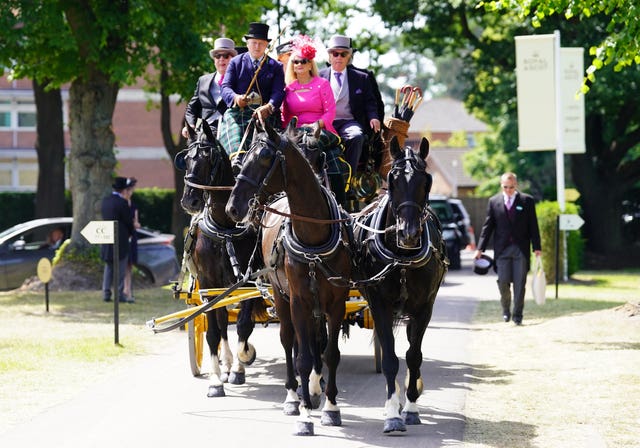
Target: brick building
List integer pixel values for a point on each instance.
(136, 122)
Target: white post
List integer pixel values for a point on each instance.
(560, 148)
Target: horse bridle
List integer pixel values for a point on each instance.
(408, 165)
(193, 181)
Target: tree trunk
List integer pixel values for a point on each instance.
(179, 219)
(50, 149)
(92, 160)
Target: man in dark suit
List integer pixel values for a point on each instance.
(356, 105)
(267, 91)
(511, 219)
(116, 208)
(206, 102)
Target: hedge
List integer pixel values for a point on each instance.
(547, 212)
(154, 205)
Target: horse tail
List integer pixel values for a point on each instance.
(259, 312)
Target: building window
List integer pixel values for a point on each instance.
(17, 113)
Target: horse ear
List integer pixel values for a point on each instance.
(272, 133)
(424, 148)
(394, 148)
(207, 131)
(191, 131)
(292, 125)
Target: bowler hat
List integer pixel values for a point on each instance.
(339, 42)
(481, 265)
(223, 45)
(119, 183)
(258, 31)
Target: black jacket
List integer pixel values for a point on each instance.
(116, 208)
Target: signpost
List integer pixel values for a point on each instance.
(564, 222)
(106, 232)
(44, 274)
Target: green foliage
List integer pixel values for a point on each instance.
(155, 207)
(548, 212)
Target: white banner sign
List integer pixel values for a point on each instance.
(535, 82)
(571, 75)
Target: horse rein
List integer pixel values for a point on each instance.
(207, 187)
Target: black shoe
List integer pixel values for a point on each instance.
(126, 300)
(107, 299)
(506, 316)
(517, 320)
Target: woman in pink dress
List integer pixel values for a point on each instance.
(310, 98)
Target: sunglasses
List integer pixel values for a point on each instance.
(222, 55)
(342, 54)
(300, 61)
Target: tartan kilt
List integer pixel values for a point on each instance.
(233, 125)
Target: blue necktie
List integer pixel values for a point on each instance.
(338, 78)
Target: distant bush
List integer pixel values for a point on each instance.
(548, 212)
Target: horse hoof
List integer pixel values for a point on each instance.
(215, 391)
(411, 418)
(315, 401)
(224, 377)
(331, 418)
(247, 357)
(303, 429)
(394, 424)
(291, 408)
(237, 378)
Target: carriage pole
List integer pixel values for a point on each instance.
(116, 283)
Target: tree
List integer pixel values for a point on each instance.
(484, 41)
(98, 46)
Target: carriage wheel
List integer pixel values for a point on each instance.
(196, 332)
(377, 352)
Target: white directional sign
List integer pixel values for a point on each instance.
(99, 232)
(570, 222)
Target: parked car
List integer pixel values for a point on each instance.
(451, 233)
(23, 245)
(464, 222)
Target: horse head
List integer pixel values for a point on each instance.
(205, 163)
(408, 189)
(263, 172)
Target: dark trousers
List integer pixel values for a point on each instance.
(353, 137)
(512, 269)
(107, 278)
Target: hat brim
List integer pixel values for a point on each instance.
(251, 36)
(340, 48)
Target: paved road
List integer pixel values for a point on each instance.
(156, 402)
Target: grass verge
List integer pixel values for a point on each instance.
(568, 377)
(46, 358)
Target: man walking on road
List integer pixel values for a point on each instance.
(511, 219)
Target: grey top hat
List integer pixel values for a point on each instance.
(223, 45)
(258, 31)
(339, 42)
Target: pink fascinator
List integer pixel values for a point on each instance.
(304, 46)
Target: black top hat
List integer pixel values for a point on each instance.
(258, 31)
(120, 183)
(482, 265)
(285, 47)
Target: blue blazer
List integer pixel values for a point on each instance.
(362, 100)
(270, 82)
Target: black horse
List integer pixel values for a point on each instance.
(402, 260)
(218, 252)
(311, 258)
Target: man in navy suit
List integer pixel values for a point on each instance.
(206, 102)
(356, 105)
(116, 208)
(511, 219)
(246, 100)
